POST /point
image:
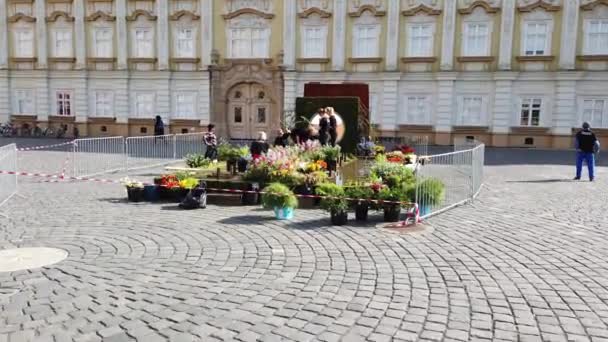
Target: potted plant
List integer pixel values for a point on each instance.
(359, 195)
(230, 154)
(331, 155)
(429, 193)
(243, 158)
(334, 202)
(196, 161)
(282, 200)
(392, 198)
(135, 190)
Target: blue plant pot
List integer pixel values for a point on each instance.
(425, 209)
(151, 193)
(283, 213)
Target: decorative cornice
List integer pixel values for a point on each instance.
(142, 60)
(472, 129)
(535, 58)
(62, 59)
(55, 15)
(139, 12)
(421, 8)
(177, 15)
(356, 60)
(590, 6)
(101, 120)
(364, 8)
(312, 60)
(62, 118)
(408, 60)
(529, 129)
(101, 59)
(539, 4)
(416, 128)
(314, 10)
(185, 60)
(248, 11)
(592, 58)
(478, 3)
(20, 16)
(24, 59)
(101, 14)
(475, 59)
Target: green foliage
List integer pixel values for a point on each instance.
(316, 177)
(197, 161)
(229, 152)
(393, 173)
(290, 179)
(181, 175)
(330, 153)
(337, 201)
(257, 173)
(397, 194)
(358, 191)
(278, 195)
(431, 191)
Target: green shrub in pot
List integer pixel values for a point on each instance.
(335, 203)
(363, 192)
(281, 199)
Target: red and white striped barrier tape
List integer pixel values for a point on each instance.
(112, 181)
(45, 146)
(63, 170)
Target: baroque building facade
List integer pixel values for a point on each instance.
(507, 72)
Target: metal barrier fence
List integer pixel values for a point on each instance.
(189, 143)
(150, 151)
(95, 156)
(449, 179)
(8, 162)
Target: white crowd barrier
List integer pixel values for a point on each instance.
(8, 182)
(93, 156)
(461, 174)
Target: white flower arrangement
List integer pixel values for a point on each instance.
(130, 183)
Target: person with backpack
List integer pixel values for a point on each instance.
(587, 146)
(210, 140)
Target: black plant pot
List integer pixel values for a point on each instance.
(392, 212)
(305, 202)
(339, 218)
(332, 165)
(242, 165)
(230, 165)
(361, 210)
(135, 194)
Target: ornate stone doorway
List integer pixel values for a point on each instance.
(249, 109)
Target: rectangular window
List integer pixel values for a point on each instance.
(103, 42)
(24, 102)
(594, 113)
(596, 38)
(366, 41)
(143, 43)
(64, 103)
(144, 105)
(417, 110)
(536, 39)
(530, 112)
(103, 103)
(185, 105)
(249, 43)
(63, 43)
(185, 42)
(476, 39)
(420, 42)
(24, 43)
(313, 42)
(471, 111)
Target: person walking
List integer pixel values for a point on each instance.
(210, 141)
(586, 145)
(323, 126)
(259, 147)
(333, 126)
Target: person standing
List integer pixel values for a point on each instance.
(323, 126)
(159, 126)
(282, 138)
(259, 147)
(586, 145)
(333, 126)
(210, 141)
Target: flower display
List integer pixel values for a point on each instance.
(130, 183)
(169, 181)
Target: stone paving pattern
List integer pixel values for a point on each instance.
(527, 261)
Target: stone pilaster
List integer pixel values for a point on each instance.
(289, 34)
(390, 101)
(507, 24)
(162, 28)
(121, 34)
(41, 34)
(503, 116)
(392, 36)
(5, 104)
(449, 32)
(206, 7)
(79, 34)
(3, 36)
(567, 53)
(339, 35)
(445, 102)
(564, 112)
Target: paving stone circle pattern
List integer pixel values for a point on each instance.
(527, 261)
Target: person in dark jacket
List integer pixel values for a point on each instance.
(282, 138)
(259, 147)
(159, 126)
(210, 141)
(333, 126)
(586, 146)
(323, 126)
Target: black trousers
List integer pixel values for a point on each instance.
(211, 153)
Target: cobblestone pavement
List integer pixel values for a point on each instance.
(526, 262)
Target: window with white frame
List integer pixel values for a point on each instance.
(24, 102)
(249, 42)
(420, 42)
(64, 103)
(366, 41)
(314, 41)
(104, 103)
(185, 42)
(185, 105)
(596, 37)
(476, 39)
(471, 111)
(103, 42)
(530, 112)
(144, 105)
(143, 42)
(536, 38)
(417, 109)
(62, 43)
(24, 43)
(594, 112)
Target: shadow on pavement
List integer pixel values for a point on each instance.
(543, 181)
(246, 219)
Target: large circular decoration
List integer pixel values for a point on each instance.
(18, 259)
(341, 129)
